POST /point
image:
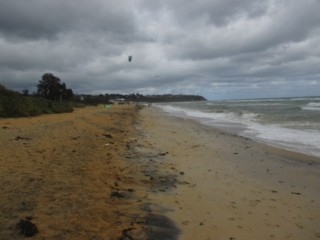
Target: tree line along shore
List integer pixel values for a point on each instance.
(53, 96)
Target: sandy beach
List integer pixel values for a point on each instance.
(123, 173)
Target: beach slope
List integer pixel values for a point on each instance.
(230, 187)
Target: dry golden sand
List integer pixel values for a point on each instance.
(231, 187)
(118, 174)
(61, 170)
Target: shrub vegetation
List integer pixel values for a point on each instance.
(14, 104)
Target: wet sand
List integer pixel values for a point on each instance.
(230, 187)
(121, 173)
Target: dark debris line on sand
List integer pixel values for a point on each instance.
(155, 225)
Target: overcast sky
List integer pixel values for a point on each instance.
(220, 49)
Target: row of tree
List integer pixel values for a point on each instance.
(109, 98)
(53, 96)
(50, 87)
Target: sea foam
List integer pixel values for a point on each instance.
(249, 125)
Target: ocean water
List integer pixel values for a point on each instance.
(290, 123)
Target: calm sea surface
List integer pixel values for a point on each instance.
(291, 123)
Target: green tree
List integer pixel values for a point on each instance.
(50, 87)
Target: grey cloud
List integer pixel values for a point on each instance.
(290, 22)
(218, 48)
(218, 12)
(35, 19)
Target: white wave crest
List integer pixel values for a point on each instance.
(312, 106)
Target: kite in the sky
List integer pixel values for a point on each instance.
(130, 58)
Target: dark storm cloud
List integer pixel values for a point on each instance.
(219, 48)
(46, 19)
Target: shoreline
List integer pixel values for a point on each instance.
(232, 187)
(247, 131)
